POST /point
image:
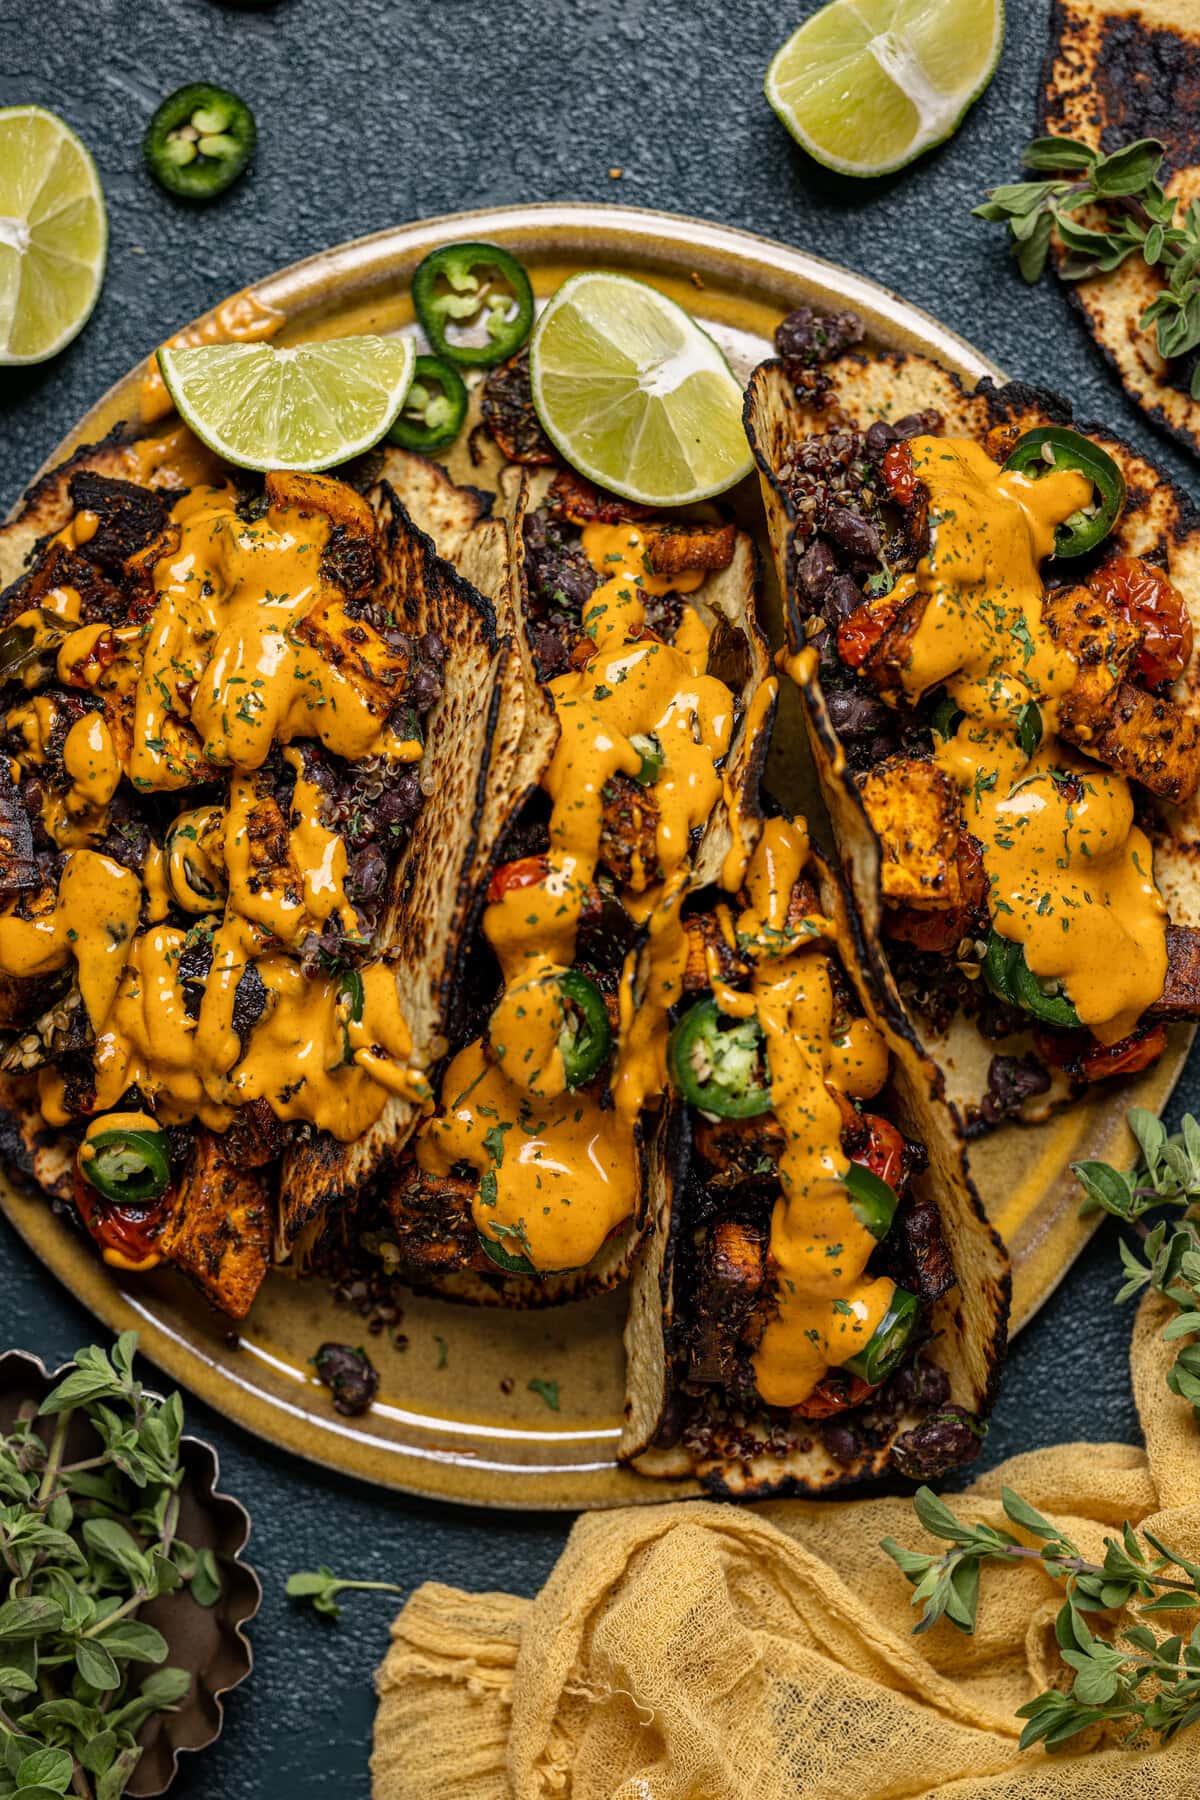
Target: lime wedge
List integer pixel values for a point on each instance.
(866, 85)
(305, 407)
(634, 394)
(53, 234)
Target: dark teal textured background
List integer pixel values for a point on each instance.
(371, 112)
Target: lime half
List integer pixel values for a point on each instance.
(866, 85)
(634, 394)
(305, 407)
(53, 234)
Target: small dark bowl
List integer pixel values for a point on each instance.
(209, 1640)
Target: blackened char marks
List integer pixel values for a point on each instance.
(128, 518)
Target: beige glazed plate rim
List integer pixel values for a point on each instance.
(456, 1419)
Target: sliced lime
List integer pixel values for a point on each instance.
(304, 407)
(634, 394)
(53, 234)
(866, 85)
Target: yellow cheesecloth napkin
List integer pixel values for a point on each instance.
(696, 1651)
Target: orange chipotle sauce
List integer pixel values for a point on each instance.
(558, 1171)
(1070, 875)
(199, 691)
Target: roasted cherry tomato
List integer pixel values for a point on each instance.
(1147, 597)
(525, 872)
(199, 141)
(481, 292)
(127, 1235)
(899, 474)
(1056, 447)
(835, 1394)
(883, 1153)
(889, 1340)
(858, 635)
(1128, 1057)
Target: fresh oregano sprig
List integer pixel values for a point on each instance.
(1166, 1177)
(85, 1542)
(1135, 1679)
(1131, 214)
(321, 1587)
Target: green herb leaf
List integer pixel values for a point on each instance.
(545, 1390)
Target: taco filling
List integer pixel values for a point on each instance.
(1002, 675)
(212, 722)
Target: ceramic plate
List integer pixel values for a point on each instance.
(456, 1417)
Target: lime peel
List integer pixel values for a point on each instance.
(634, 394)
(865, 86)
(304, 406)
(53, 235)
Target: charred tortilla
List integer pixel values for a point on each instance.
(1159, 523)
(676, 1425)
(1116, 71)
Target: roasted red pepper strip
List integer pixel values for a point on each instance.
(1146, 596)
(858, 635)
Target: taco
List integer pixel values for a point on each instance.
(821, 1296)
(247, 726)
(992, 616)
(647, 700)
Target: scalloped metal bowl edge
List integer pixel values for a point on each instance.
(209, 1496)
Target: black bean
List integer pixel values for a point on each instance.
(918, 424)
(843, 597)
(432, 648)
(398, 641)
(946, 1440)
(853, 714)
(921, 1384)
(879, 436)
(857, 536)
(402, 802)
(368, 875)
(842, 1443)
(817, 568)
(425, 688)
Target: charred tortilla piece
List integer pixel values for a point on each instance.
(433, 891)
(1115, 72)
(692, 1296)
(1160, 524)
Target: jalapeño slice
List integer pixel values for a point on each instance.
(434, 409)
(889, 1340)
(128, 1167)
(505, 1259)
(586, 1035)
(350, 996)
(479, 292)
(872, 1201)
(199, 141)
(1010, 978)
(1055, 447)
(719, 1064)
